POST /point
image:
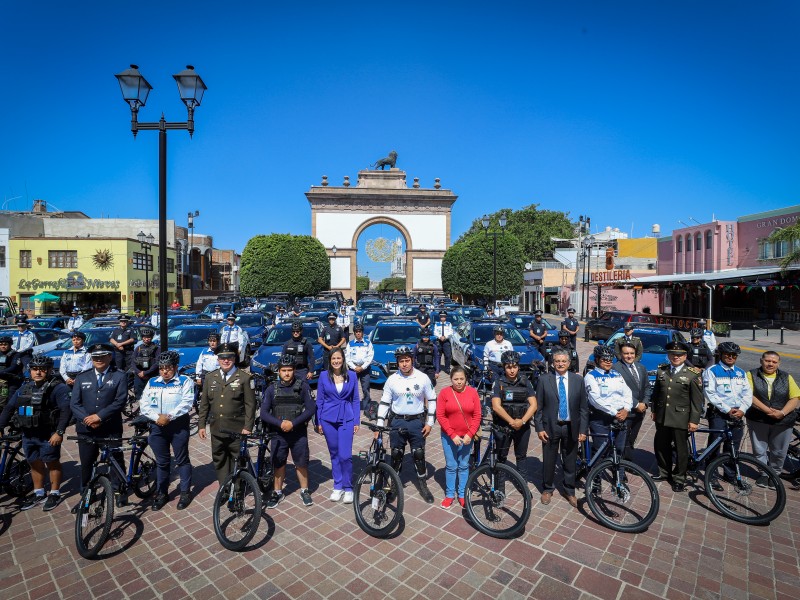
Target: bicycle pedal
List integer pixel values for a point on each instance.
(363, 454)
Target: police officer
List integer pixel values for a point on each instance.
(423, 318)
(537, 332)
(287, 408)
(610, 399)
(10, 370)
(145, 361)
(24, 341)
(442, 330)
(166, 401)
(98, 397)
(571, 325)
(409, 395)
(343, 321)
(75, 360)
(227, 403)
(513, 405)
(359, 354)
(296, 312)
(75, 321)
(280, 314)
(490, 312)
(708, 336)
(563, 344)
(729, 395)
(635, 376)
(207, 361)
(676, 402)
(217, 315)
(155, 318)
(123, 340)
(700, 354)
(493, 351)
(231, 333)
(41, 409)
(332, 337)
(628, 338)
(302, 351)
(426, 356)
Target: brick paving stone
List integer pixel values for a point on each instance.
(549, 588)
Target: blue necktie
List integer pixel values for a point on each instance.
(99, 381)
(563, 411)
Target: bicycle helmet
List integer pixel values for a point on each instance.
(169, 358)
(146, 332)
(426, 332)
(510, 357)
(729, 348)
(497, 329)
(40, 360)
(6, 339)
(404, 351)
(563, 334)
(603, 353)
(286, 361)
(21, 318)
(213, 336)
(358, 327)
(297, 326)
(696, 333)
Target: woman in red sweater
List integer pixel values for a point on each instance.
(458, 410)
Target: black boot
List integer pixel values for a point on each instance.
(424, 491)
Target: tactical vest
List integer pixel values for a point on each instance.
(424, 356)
(287, 403)
(297, 350)
(780, 396)
(697, 355)
(6, 360)
(514, 396)
(33, 406)
(144, 357)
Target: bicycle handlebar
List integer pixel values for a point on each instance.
(100, 441)
(373, 427)
(11, 437)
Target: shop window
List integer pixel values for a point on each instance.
(765, 250)
(680, 245)
(25, 259)
(142, 262)
(62, 259)
(25, 303)
(781, 249)
(709, 239)
(170, 265)
(2, 257)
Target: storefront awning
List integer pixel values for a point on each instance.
(737, 275)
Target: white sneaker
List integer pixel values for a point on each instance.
(348, 498)
(337, 495)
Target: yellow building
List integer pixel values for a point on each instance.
(95, 274)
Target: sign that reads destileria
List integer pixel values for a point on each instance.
(615, 275)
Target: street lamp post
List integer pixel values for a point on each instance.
(146, 242)
(485, 221)
(191, 216)
(589, 242)
(135, 90)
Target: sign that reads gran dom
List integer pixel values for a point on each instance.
(615, 275)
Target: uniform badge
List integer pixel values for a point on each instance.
(416, 387)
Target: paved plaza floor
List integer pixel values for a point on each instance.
(690, 551)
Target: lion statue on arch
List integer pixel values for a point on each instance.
(389, 161)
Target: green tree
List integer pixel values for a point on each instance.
(281, 262)
(790, 235)
(467, 267)
(389, 284)
(532, 227)
(362, 283)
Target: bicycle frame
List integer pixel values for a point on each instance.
(727, 436)
(5, 453)
(588, 461)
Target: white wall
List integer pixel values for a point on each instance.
(428, 232)
(340, 273)
(427, 274)
(124, 228)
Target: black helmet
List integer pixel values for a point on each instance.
(213, 336)
(426, 332)
(6, 339)
(603, 353)
(696, 333)
(563, 334)
(286, 361)
(404, 351)
(729, 348)
(498, 329)
(297, 326)
(40, 360)
(21, 318)
(169, 358)
(75, 334)
(510, 357)
(146, 332)
(358, 327)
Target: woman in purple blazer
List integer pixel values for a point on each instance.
(337, 414)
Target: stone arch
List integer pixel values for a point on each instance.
(386, 220)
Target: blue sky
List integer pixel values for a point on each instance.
(631, 112)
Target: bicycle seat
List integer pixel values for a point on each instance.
(140, 422)
(618, 425)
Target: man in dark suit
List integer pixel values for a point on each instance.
(561, 422)
(98, 397)
(635, 375)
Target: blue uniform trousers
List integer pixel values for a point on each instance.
(175, 434)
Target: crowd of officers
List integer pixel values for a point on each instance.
(560, 406)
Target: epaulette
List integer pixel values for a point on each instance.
(664, 366)
(695, 370)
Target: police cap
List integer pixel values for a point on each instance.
(676, 348)
(628, 327)
(231, 317)
(571, 311)
(331, 315)
(124, 318)
(5, 339)
(75, 334)
(98, 350)
(213, 336)
(538, 313)
(146, 332)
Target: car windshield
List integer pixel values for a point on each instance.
(473, 313)
(522, 321)
(189, 338)
(41, 322)
(323, 305)
(481, 335)
(396, 334)
(368, 304)
(223, 308)
(651, 342)
(249, 320)
(372, 318)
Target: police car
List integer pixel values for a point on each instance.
(469, 339)
(190, 340)
(389, 334)
(270, 350)
(371, 318)
(472, 313)
(96, 335)
(255, 325)
(367, 305)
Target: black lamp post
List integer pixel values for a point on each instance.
(485, 221)
(146, 242)
(191, 216)
(135, 90)
(587, 244)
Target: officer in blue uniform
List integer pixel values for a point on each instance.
(426, 356)
(10, 370)
(423, 318)
(24, 341)
(571, 325)
(513, 405)
(123, 339)
(145, 361)
(537, 332)
(332, 337)
(301, 350)
(75, 360)
(75, 321)
(442, 330)
(98, 397)
(166, 401)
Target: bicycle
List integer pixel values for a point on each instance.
(620, 494)
(96, 507)
(15, 472)
(754, 495)
(497, 500)
(378, 492)
(791, 466)
(243, 491)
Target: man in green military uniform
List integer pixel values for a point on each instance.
(228, 402)
(676, 403)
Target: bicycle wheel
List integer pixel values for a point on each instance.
(498, 500)
(237, 511)
(754, 496)
(622, 497)
(17, 474)
(378, 500)
(94, 517)
(144, 475)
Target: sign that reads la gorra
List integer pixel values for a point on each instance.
(73, 281)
